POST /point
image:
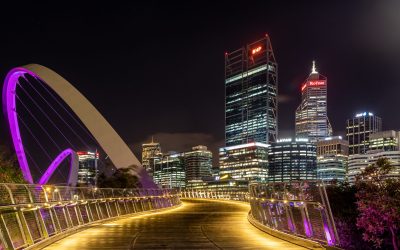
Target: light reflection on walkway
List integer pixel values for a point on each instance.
(198, 224)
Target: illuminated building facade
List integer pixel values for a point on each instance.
(251, 89)
(358, 130)
(87, 171)
(292, 160)
(245, 162)
(151, 152)
(198, 163)
(358, 162)
(312, 115)
(385, 140)
(169, 171)
(332, 156)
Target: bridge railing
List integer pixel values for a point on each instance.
(297, 208)
(214, 194)
(30, 214)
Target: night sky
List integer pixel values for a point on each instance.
(155, 68)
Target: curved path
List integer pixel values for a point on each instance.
(197, 224)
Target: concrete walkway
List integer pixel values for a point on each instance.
(198, 224)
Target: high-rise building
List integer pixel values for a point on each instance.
(386, 140)
(332, 156)
(198, 163)
(151, 152)
(312, 115)
(251, 90)
(358, 130)
(292, 160)
(358, 162)
(245, 162)
(87, 171)
(169, 171)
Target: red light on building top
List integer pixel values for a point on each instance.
(256, 50)
(304, 86)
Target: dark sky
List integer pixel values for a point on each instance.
(157, 68)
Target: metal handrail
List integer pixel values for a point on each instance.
(31, 214)
(299, 208)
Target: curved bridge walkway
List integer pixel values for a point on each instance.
(197, 224)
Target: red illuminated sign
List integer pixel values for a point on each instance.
(256, 50)
(316, 83)
(312, 83)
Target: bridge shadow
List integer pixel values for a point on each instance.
(197, 224)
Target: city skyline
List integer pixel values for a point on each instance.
(192, 119)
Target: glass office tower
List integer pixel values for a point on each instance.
(151, 152)
(292, 160)
(169, 171)
(251, 89)
(87, 172)
(311, 115)
(245, 162)
(358, 130)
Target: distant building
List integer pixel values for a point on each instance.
(358, 130)
(358, 162)
(312, 114)
(385, 140)
(292, 160)
(87, 172)
(169, 171)
(198, 163)
(151, 152)
(251, 90)
(332, 156)
(245, 162)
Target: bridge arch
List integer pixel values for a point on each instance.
(73, 170)
(105, 135)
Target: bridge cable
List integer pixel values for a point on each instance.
(41, 126)
(47, 116)
(38, 142)
(59, 116)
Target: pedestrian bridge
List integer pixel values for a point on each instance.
(196, 224)
(270, 216)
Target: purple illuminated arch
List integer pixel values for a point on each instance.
(73, 170)
(10, 109)
(104, 134)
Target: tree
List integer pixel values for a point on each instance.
(378, 203)
(121, 178)
(9, 168)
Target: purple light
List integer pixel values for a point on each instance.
(10, 110)
(306, 227)
(57, 161)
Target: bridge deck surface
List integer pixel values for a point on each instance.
(198, 224)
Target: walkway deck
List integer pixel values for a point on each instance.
(198, 224)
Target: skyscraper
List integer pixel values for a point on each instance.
(150, 153)
(198, 163)
(169, 171)
(292, 160)
(251, 89)
(311, 115)
(87, 172)
(245, 162)
(358, 130)
(332, 156)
